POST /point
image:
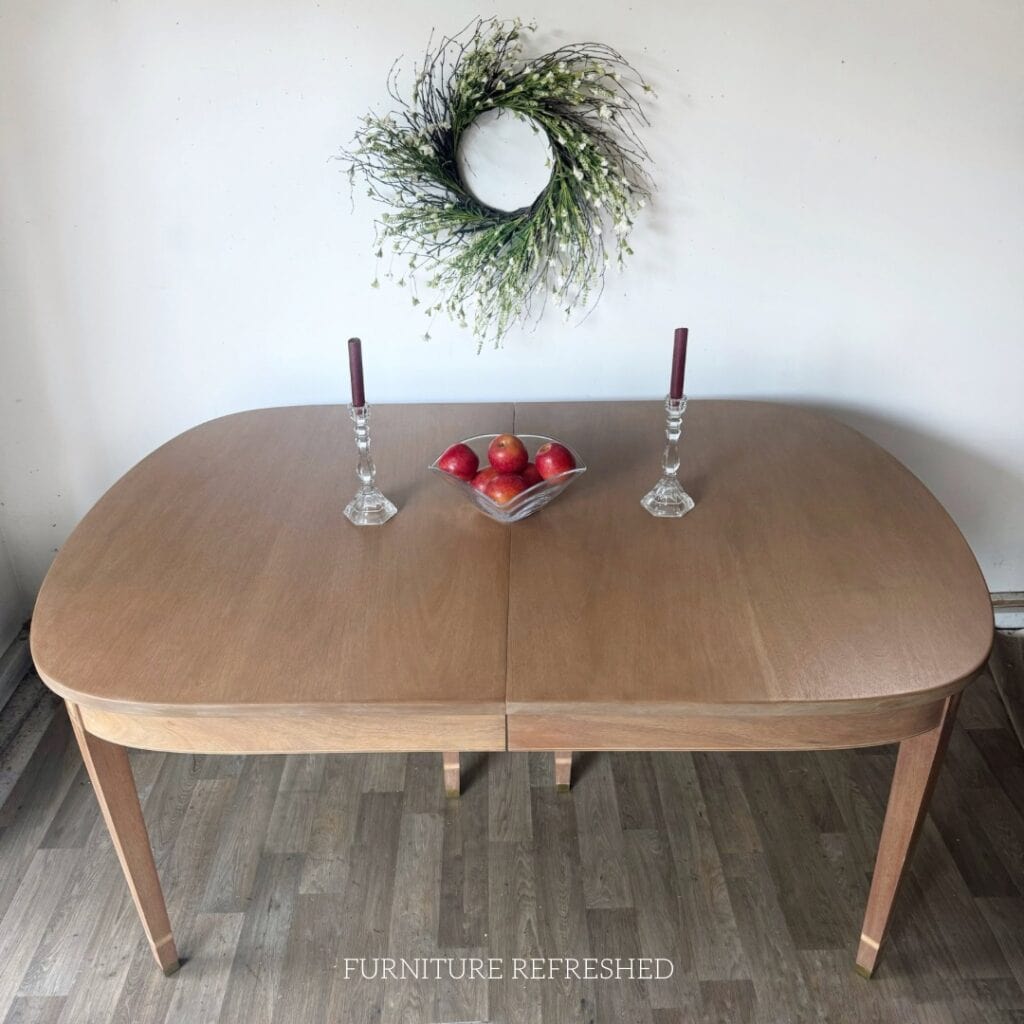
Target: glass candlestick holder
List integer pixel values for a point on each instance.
(667, 499)
(369, 507)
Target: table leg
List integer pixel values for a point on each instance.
(112, 779)
(917, 767)
(451, 773)
(563, 770)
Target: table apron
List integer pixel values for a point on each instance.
(328, 733)
(366, 732)
(585, 730)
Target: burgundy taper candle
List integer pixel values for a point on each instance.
(675, 389)
(355, 369)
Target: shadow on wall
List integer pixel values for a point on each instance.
(978, 492)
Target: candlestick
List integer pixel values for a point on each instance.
(675, 390)
(369, 507)
(355, 371)
(667, 499)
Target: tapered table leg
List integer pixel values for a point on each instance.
(917, 767)
(563, 770)
(114, 784)
(452, 782)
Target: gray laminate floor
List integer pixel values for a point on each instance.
(748, 872)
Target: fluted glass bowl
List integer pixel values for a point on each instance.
(533, 499)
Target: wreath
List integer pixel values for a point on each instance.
(493, 267)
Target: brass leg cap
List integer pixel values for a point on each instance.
(452, 794)
(864, 972)
(562, 788)
(172, 968)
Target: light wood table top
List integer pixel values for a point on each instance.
(219, 579)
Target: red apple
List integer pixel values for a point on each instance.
(503, 487)
(460, 460)
(530, 475)
(507, 454)
(553, 459)
(483, 478)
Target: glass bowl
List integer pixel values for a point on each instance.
(533, 499)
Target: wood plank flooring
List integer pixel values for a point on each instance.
(749, 872)
(26, 709)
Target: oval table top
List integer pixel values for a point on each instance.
(219, 574)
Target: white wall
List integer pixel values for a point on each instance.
(840, 222)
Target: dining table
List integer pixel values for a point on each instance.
(216, 601)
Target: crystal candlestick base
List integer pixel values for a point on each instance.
(667, 499)
(369, 507)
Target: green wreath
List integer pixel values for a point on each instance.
(494, 267)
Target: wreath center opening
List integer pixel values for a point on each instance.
(505, 159)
